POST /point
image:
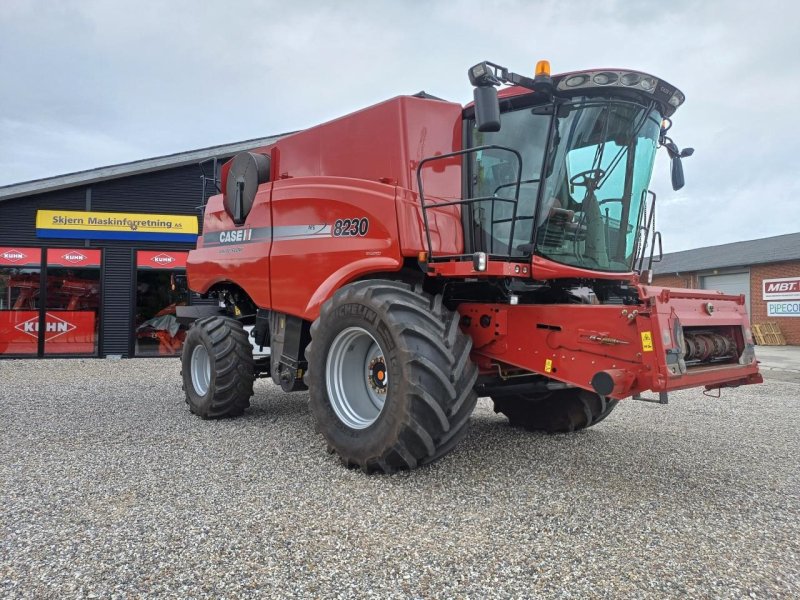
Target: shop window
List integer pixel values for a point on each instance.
(72, 301)
(20, 277)
(160, 287)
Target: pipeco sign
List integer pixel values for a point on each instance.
(786, 288)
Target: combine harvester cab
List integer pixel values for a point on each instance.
(402, 260)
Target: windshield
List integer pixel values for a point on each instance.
(598, 168)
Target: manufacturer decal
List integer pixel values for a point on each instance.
(647, 341)
(74, 257)
(163, 259)
(548, 366)
(13, 255)
(235, 236)
(53, 326)
(351, 227)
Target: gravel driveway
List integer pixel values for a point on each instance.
(109, 487)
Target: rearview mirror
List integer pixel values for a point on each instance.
(487, 108)
(678, 180)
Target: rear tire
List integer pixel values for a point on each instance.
(217, 368)
(389, 375)
(560, 411)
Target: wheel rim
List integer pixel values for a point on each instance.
(201, 370)
(356, 377)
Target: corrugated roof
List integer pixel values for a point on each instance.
(169, 161)
(751, 252)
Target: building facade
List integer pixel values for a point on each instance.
(766, 271)
(94, 263)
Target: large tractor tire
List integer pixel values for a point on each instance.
(217, 368)
(559, 411)
(389, 375)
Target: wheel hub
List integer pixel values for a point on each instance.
(377, 376)
(356, 377)
(200, 367)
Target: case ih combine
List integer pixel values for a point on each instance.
(405, 259)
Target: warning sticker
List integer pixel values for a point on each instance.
(548, 365)
(647, 341)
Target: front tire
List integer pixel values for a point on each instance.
(217, 368)
(559, 411)
(389, 375)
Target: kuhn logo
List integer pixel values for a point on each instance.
(73, 257)
(163, 259)
(53, 326)
(13, 255)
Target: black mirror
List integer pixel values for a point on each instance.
(678, 180)
(487, 108)
(687, 152)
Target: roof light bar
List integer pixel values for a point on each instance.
(633, 80)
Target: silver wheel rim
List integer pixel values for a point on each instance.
(356, 377)
(201, 370)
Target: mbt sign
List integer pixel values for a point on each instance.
(787, 288)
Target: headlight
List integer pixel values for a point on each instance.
(605, 78)
(576, 80)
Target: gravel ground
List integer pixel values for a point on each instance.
(110, 488)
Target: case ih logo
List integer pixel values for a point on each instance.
(13, 255)
(73, 257)
(53, 327)
(163, 259)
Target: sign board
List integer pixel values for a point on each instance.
(66, 331)
(789, 308)
(147, 259)
(20, 257)
(786, 288)
(71, 257)
(75, 224)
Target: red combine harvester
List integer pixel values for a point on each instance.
(405, 259)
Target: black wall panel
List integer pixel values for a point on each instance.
(117, 300)
(18, 217)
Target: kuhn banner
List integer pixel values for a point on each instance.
(66, 332)
(785, 288)
(70, 257)
(147, 259)
(20, 257)
(74, 224)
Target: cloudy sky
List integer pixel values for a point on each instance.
(89, 83)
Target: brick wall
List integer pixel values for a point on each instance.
(790, 326)
(688, 280)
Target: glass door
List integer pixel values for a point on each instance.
(72, 301)
(160, 287)
(20, 277)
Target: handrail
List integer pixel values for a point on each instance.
(470, 201)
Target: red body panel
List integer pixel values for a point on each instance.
(573, 342)
(352, 167)
(309, 263)
(246, 265)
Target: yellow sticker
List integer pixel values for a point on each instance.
(548, 365)
(647, 341)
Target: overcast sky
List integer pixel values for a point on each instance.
(90, 83)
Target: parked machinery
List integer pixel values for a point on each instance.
(402, 260)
